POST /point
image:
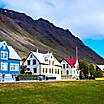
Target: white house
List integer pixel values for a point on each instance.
(101, 67)
(69, 68)
(43, 64)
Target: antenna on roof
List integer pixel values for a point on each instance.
(76, 52)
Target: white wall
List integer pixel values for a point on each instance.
(72, 71)
(58, 76)
(41, 66)
(31, 66)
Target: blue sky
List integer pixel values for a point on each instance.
(84, 18)
(96, 45)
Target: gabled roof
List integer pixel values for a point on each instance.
(12, 52)
(71, 62)
(43, 57)
(101, 67)
(39, 56)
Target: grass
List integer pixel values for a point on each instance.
(77, 92)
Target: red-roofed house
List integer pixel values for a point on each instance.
(70, 68)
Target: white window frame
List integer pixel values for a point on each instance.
(16, 67)
(5, 65)
(70, 71)
(3, 52)
(74, 72)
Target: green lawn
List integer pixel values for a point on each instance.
(77, 92)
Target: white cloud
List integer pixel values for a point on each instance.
(85, 18)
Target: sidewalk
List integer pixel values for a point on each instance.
(37, 81)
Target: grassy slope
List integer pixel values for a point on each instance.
(82, 92)
(24, 42)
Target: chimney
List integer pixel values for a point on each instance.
(70, 57)
(48, 51)
(37, 50)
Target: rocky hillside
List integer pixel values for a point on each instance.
(26, 34)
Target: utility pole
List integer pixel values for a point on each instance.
(76, 52)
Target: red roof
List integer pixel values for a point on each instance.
(71, 62)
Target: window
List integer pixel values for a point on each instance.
(28, 62)
(46, 70)
(55, 71)
(58, 71)
(49, 70)
(73, 71)
(14, 67)
(49, 62)
(70, 71)
(4, 66)
(4, 55)
(4, 46)
(43, 70)
(77, 72)
(34, 62)
(67, 66)
(30, 56)
(67, 72)
(52, 70)
(61, 72)
(63, 65)
(35, 70)
(52, 62)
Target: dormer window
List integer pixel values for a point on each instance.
(45, 59)
(4, 55)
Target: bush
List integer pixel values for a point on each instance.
(26, 77)
(99, 74)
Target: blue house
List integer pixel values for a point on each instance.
(9, 62)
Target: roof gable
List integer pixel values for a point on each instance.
(71, 62)
(42, 58)
(13, 54)
(1, 43)
(3, 46)
(101, 67)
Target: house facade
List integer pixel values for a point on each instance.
(9, 62)
(44, 64)
(69, 68)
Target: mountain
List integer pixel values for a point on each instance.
(26, 34)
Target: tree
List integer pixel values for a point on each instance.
(83, 66)
(92, 71)
(23, 69)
